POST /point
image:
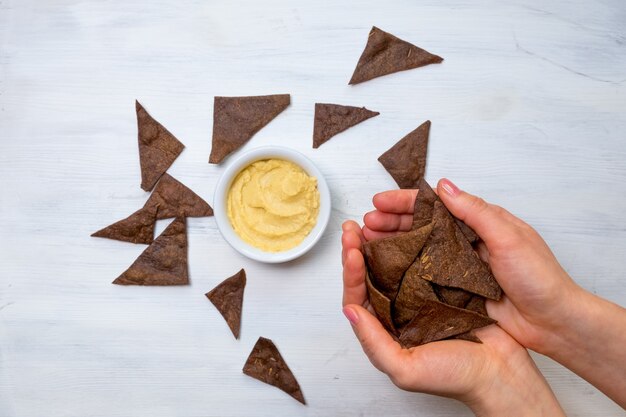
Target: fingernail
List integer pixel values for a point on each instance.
(351, 315)
(449, 187)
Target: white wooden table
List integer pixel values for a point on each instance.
(528, 110)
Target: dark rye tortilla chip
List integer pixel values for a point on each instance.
(423, 210)
(331, 119)
(455, 297)
(267, 365)
(381, 305)
(424, 204)
(469, 233)
(174, 199)
(406, 160)
(385, 54)
(477, 305)
(436, 321)
(237, 119)
(227, 297)
(164, 262)
(387, 259)
(448, 259)
(136, 228)
(413, 291)
(158, 148)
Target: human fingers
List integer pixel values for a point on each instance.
(395, 201)
(370, 234)
(381, 349)
(354, 290)
(388, 222)
(489, 221)
(351, 238)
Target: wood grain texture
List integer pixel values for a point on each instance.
(528, 110)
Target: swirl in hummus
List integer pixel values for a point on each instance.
(273, 204)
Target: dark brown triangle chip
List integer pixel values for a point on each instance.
(227, 297)
(267, 365)
(387, 259)
(164, 262)
(424, 203)
(385, 54)
(477, 305)
(136, 228)
(174, 199)
(469, 233)
(331, 119)
(423, 210)
(455, 297)
(406, 160)
(237, 119)
(413, 291)
(436, 321)
(381, 305)
(158, 148)
(448, 259)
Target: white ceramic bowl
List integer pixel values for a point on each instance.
(221, 198)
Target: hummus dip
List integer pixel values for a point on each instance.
(273, 204)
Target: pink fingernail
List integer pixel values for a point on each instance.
(449, 187)
(351, 315)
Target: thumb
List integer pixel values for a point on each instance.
(487, 220)
(381, 349)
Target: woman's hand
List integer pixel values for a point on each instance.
(493, 378)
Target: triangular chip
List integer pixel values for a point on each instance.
(174, 199)
(237, 119)
(227, 297)
(424, 203)
(387, 259)
(436, 321)
(413, 291)
(267, 365)
(423, 210)
(455, 297)
(331, 119)
(158, 148)
(406, 160)
(477, 305)
(136, 228)
(448, 259)
(469, 233)
(164, 262)
(381, 305)
(385, 54)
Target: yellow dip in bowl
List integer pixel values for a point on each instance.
(273, 204)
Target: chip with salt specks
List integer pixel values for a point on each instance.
(164, 262)
(174, 199)
(227, 297)
(266, 364)
(237, 119)
(406, 160)
(158, 148)
(448, 259)
(437, 321)
(387, 259)
(136, 228)
(331, 119)
(385, 54)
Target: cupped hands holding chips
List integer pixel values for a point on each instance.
(541, 309)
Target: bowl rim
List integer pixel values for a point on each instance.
(220, 201)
